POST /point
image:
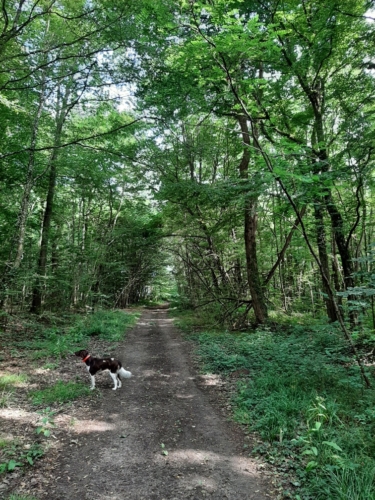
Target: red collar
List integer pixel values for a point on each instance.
(86, 358)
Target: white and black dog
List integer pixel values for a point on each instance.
(94, 365)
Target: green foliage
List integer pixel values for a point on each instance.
(302, 393)
(301, 76)
(61, 392)
(5, 398)
(17, 455)
(355, 483)
(46, 422)
(107, 325)
(3, 443)
(60, 341)
(10, 380)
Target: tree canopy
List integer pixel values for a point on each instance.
(218, 151)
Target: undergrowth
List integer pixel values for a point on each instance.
(59, 341)
(14, 455)
(304, 396)
(45, 338)
(61, 337)
(61, 392)
(9, 380)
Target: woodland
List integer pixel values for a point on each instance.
(215, 154)
(218, 151)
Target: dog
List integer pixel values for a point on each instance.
(112, 365)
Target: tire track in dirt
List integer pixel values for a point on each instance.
(158, 437)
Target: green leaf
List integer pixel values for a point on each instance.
(12, 464)
(311, 465)
(332, 444)
(312, 451)
(317, 426)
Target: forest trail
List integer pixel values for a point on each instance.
(159, 436)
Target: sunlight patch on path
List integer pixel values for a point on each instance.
(210, 380)
(191, 456)
(87, 426)
(18, 415)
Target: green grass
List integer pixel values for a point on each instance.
(6, 398)
(10, 380)
(304, 396)
(356, 483)
(61, 392)
(4, 443)
(50, 366)
(76, 331)
(107, 325)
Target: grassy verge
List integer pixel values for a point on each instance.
(64, 335)
(8, 381)
(51, 339)
(57, 341)
(302, 393)
(61, 392)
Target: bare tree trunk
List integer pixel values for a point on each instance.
(250, 228)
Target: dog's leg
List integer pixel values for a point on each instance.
(92, 378)
(119, 383)
(114, 378)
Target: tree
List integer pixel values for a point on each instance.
(285, 70)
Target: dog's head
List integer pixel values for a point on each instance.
(82, 353)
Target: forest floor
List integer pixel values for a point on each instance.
(164, 435)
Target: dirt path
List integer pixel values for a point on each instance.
(158, 437)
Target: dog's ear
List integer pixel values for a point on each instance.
(80, 353)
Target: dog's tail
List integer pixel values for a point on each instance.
(124, 374)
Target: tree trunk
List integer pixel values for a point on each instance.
(331, 207)
(61, 114)
(36, 304)
(342, 247)
(14, 261)
(323, 257)
(250, 228)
